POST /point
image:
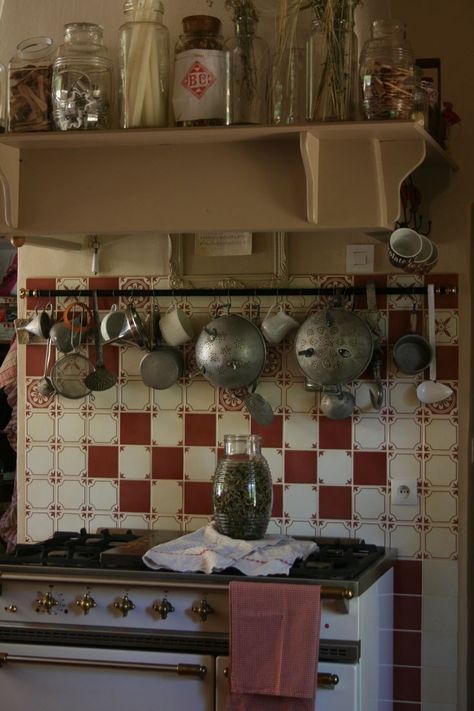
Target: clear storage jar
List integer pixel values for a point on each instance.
(199, 73)
(247, 75)
(331, 73)
(144, 65)
(82, 80)
(387, 72)
(29, 86)
(242, 489)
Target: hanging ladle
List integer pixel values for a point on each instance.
(100, 378)
(431, 390)
(337, 404)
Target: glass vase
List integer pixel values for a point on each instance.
(330, 66)
(387, 73)
(242, 489)
(247, 75)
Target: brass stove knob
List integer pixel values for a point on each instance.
(124, 604)
(46, 602)
(203, 609)
(86, 603)
(163, 608)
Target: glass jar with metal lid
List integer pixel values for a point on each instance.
(199, 73)
(29, 85)
(82, 80)
(144, 65)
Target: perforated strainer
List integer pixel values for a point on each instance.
(70, 371)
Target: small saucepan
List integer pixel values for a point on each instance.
(412, 353)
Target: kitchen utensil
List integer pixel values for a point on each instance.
(162, 367)
(277, 323)
(61, 338)
(100, 378)
(230, 352)
(412, 353)
(69, 373)
(39, 325)
(176, 327)
(337, 405)
(259, 408)
(333, 347)
(133, 330)
(431, 390)
(44, 385)
(112, 324)
(374, 323)
(78, 322)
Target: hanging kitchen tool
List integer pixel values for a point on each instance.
(68, 374)
(44, 385)
(431, 390)
(412, 353)
(374, 322)
(101, 378)
(230, 353)
(163, 365)
(337, 404)
(333, 347)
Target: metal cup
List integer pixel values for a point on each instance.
(404, 247)
(40, 324)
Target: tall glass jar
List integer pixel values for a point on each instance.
(82, 80)
(330, 51)
(387, 73)
(199, 73)
(29, 86)
(144, 65)
(242, 489)
(247, 74)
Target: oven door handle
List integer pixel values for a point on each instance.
(325, 680)
(196, 670)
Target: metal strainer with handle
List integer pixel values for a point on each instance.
(68, 374)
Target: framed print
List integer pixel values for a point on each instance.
(263, 265)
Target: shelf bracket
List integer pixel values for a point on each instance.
(10, 180)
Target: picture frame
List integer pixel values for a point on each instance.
(267, 266)
(431, 80)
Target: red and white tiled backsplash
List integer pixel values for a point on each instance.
(136, 457)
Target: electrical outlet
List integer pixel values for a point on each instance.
(404, 492)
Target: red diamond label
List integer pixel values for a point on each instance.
(198, 80)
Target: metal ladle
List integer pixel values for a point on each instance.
(100, 378)
(44, 385)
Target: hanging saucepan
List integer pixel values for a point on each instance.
(333, 347)
(230, 353)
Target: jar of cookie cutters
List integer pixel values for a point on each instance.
(82, 81)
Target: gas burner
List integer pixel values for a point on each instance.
(337, 559)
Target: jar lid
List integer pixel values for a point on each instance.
(205, 24)
(143, 6)
(90, 29)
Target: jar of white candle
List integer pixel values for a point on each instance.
(144, 65)
(82, 80)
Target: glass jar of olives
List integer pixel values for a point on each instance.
(242, 489)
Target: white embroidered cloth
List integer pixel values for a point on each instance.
(206, 550)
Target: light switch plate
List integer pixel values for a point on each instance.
(360, 258)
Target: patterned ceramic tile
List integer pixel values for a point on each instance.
(136, 395)
(135, 461)
(167, 462)
(200, 397)
(369, 433)
(38, 526)
(170, 399)
(402, 398)
(300, 400)
(300, 501)
(405, 433)
(441, 542)
(199, 463)
(406, 539)
(103, 495)
(369, 503)
(275, 461)
(103, 428)
(441, 435)
(167, 497)
(441, 507)
(405, 466)
(71, 494)
(447, 327)
(300, 431)
(167, 429)
(39, 460)
(40, 493)
(335, 467)
(40, 427)
(72, 461)
(72, 428)
(130, 358)
(232, 423)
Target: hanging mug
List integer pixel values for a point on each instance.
(277, 323)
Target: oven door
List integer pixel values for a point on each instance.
(53, 678)
(343, 696)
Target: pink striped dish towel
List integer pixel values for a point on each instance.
(274, 646)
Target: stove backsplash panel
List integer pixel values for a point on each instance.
(135, 457)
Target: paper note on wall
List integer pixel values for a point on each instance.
(222, 244)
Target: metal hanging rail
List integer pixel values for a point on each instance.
(232, 291)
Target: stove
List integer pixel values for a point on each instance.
(80, 600)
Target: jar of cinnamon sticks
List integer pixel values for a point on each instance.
(29, 86)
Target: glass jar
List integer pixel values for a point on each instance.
(29, 86)
(421, 104)
(144, 65)
(330, 68)
(387, 73)
(288, 87)
(82, 80)
(247, 75)
(242, 489)
(199, 73)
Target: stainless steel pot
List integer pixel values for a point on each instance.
(230, 352)
(333, 347)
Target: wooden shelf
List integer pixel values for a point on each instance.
(266, 178)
